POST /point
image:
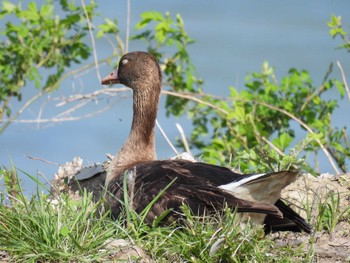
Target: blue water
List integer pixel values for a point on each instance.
(233, 38)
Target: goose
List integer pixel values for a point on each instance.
(203, 187)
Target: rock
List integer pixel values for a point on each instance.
(123, 250)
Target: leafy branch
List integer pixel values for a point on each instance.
(260, 114)
(50, 43)
(40, 40)
(336, 29)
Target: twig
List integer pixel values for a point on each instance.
(41, 93)
(272, 146)
(55, 119)
(89, 96)
(40, 159)
(92, 40)
(320, 89)
(72, 109)
(344, 79)
(20, 111)
(40, 113)
(183, 138)
(166, 138)
(85, 99)
(191, 96)
(127, 31)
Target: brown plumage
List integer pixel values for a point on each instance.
(203, 187)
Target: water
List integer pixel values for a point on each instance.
(233, 38)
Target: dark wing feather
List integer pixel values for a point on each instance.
(196, 185)
(291, 221)
(199, 192)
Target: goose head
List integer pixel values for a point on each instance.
(137, 70)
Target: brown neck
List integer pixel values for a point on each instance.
(140, 144)
(142, 134)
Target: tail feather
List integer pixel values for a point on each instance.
(291, 221)
(261, 187)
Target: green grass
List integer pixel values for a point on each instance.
(42, 230)
(38, 229)
(329, 211)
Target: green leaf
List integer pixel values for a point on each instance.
(64, 231)
(341, 87)
(233, 92)
(148, 17)
(152, 15)
(334, 21)
(240, 112)
(282, 141)
(46, 10)
(8, 7)
(109, 27)
(31, 13)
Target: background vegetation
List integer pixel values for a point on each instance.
(39, 46)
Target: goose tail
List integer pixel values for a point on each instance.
(291, 221)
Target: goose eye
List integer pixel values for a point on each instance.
(125, 61)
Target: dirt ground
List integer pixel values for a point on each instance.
(334, 247)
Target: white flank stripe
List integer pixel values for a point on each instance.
(234, 185)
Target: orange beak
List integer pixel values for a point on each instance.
(110, 79)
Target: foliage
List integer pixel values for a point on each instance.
(170, 35)
(35, 39)
(336, 29)
(330, 212)
(262, 158)
(262, 113)
(42, 229)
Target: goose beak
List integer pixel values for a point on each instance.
(111, 79)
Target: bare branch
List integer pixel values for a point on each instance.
(319, 90)
(62, 119)
(344, 79)
(41, 159)
(191, 96)
(20, 111)
(92, 40)
(127, 32)
(89, 96)
(73, 109)
(183, 138)
(272, 146)
(64, 116)
(7, 122)
(40, 113)
(166, 138)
